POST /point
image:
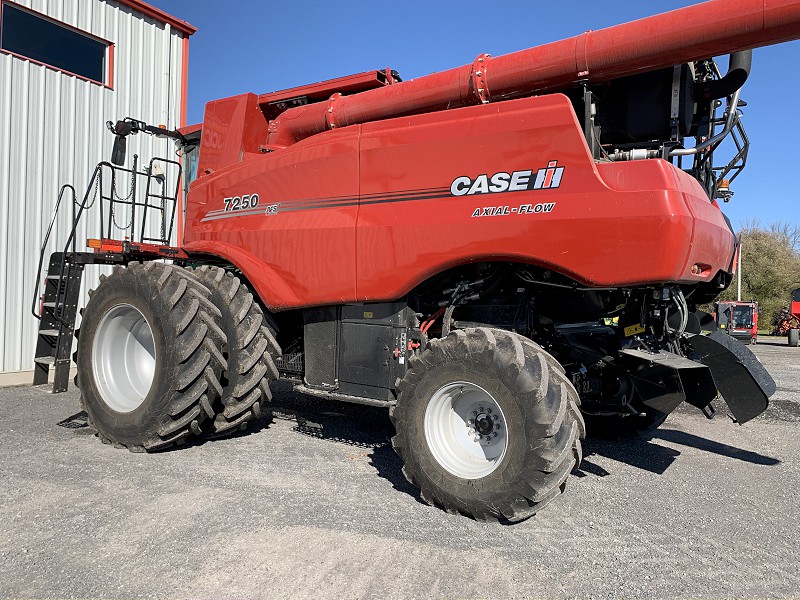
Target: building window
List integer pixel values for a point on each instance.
(43, 40)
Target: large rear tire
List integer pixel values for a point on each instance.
(149, 357)
(249, 352)
(487, 425)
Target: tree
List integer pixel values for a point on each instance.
(789, 232)
(770, 266)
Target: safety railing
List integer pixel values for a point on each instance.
(124, 214)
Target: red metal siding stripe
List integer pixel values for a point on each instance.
(184, 110)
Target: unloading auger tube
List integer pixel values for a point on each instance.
(693, 33)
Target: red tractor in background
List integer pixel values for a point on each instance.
(789, 320)
(739, 319)
(496, 254)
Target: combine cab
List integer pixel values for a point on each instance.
(499, 254)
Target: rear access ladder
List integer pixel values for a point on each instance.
(56, 327)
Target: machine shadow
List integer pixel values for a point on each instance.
(643, 453)
(636, 451)
(364, 427)
(77, 421)
(693, 441)
(369, 429)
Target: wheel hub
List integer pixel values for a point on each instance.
(123, 358)
(465, 430)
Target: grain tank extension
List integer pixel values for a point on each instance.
(500, 254)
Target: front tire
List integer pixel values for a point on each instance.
(446, 425)
(149, 357)
(794, 337)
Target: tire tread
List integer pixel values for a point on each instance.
(250, 349)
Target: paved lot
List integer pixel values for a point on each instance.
(313, 504)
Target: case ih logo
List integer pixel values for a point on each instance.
(516, 181)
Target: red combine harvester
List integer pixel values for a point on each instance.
(739, 319)
(492, 253)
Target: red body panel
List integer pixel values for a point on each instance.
(367, 212)
(794, 309)
(296, 257)
(232, 128)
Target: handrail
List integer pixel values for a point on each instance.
(165, 236)
(93, 190)
(731, 119)
(63, 189)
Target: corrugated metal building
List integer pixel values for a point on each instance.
(67, 67)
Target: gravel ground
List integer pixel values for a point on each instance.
(313, 504)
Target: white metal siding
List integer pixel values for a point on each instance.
(52, 132)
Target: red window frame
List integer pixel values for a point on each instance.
(109, 66)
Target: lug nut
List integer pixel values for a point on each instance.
(494, 434)
(494, 417)
(488, 411)
(496, 426)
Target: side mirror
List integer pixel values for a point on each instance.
(119, 150)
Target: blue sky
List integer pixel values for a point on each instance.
(262, 46)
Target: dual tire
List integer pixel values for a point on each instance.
(165, 353)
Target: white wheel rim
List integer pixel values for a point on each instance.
(124, 358)
(466, 430)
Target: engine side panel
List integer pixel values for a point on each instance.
(649, 223)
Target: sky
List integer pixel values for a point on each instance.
(263, 46)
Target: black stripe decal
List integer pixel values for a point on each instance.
(335, 202)
(294, 208)
(340, 199)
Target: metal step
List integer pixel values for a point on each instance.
(54, 345)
